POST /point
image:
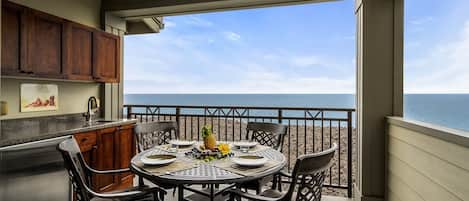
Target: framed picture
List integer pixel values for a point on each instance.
(39, 97)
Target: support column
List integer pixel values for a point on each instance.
(379, 88)
(112, 93)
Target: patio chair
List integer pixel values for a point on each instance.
(149, 135)
(268, 134)
(80, 175)
(307, 179)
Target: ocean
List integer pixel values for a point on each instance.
(450, 110)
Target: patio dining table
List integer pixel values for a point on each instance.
(189, 170)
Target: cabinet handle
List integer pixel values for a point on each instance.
(95, 147)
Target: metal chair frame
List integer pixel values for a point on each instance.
(308, 177)
(268, 134)
(80, 175)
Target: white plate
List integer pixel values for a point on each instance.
(181, 142)
(150, 161)
(245, 144)
(249, 162)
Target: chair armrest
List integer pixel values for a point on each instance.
(110, 171)
(284, 174)
(127, 194)
(239, 193)
(120, 195)
(106, 171)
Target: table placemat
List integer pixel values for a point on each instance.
(158, 170)
(245, 171)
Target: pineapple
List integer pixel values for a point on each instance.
(210, 142)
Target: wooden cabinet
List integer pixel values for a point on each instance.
(106, 57)
(126, 150)
(36, 44)
(88, 146)
(43, 54)
(78, 55)
(11, 38)
(107, 155)
(109, 149)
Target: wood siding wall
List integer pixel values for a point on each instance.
(424, 168)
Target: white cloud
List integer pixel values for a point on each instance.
(169, 24)
(198, 21)
(253, 83)
(274, 82)
(422, 20)
(443, 70)
(173, 62)
(306, 61)
(231, 36)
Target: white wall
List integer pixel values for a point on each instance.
(426, 162)
(72, 98)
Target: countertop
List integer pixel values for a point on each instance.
(20, 131)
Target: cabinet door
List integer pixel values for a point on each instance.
(88, 146)
(126, 150)
(11, 38)
(44, 44)
(78, 52)
(107, 149)
(106, 57)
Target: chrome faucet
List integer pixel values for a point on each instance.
(92, 106)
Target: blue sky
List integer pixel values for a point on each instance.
(293, 49)
(436, 46)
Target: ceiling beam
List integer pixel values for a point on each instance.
(137, 9)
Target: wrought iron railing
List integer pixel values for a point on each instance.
(309, 130)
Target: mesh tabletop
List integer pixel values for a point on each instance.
(207, 172)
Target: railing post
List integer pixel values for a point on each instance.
(178, 113)
(129, 112)
(349, 153)
(280, 116)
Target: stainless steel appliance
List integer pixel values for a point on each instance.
(33, 171)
